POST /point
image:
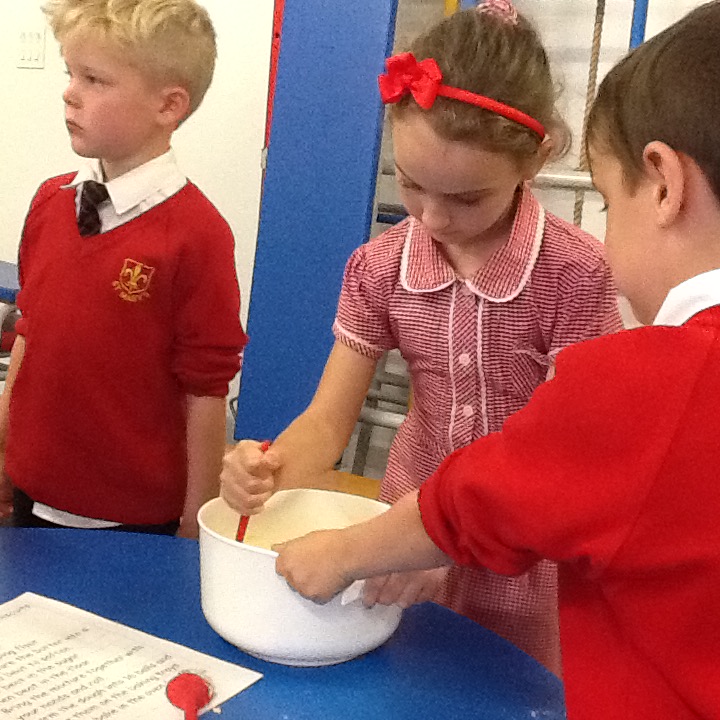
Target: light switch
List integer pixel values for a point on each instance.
(31, 52)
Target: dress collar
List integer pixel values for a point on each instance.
(424, 269)
(690, 298)
(135, 186)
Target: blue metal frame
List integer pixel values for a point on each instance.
(8, 281)
(323, 154)
(639, 23)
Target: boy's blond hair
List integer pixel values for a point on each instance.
(172, 40)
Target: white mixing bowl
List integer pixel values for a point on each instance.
(248, 604)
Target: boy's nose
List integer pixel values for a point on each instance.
(69, 96)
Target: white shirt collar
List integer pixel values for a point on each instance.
(689, 298)
(137, 185)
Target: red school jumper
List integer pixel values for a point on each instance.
(119, 328)
(612, 470)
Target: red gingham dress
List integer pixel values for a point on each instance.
(476, 349)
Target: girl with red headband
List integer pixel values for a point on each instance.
(479, 288)
(620, 450)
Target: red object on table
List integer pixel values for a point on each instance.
(190, 693)
(245, 519)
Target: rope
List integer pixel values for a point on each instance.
(589, 97)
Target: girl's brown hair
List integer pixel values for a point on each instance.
(668, 90)
(489, 54)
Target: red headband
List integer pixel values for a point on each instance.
(423, 80)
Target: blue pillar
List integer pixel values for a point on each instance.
(639, 23)
(317, 201)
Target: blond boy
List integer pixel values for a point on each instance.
(113, 414)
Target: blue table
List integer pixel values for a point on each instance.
(8, 281)
(438, 665)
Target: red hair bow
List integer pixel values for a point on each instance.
(423, 80)
(406, 75)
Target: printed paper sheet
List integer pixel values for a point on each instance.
(58, 662)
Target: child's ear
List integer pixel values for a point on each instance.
(546, 149)
(175, 106)
(666, 173)
(533, 165)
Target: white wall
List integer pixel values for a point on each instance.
(219, 147)
(566, 27)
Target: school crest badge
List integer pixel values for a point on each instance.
(134, 281)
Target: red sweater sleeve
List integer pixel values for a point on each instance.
(46, 191)
(568, 475)
(209, 338)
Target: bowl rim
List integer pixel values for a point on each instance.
(265, 551)
(227, 540)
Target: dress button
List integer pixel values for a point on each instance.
(468, 411)
(464, 359)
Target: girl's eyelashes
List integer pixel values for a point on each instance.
(467, 202)
(458, 200)
(407, 184)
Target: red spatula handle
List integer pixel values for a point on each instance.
(242, 527)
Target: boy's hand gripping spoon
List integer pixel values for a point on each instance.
(190, 693)
(245, 519)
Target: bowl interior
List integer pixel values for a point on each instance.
(291, 513)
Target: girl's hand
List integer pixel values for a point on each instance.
(248, 477)
(314, 564)
(404, 589)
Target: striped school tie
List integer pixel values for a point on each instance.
(93, 193)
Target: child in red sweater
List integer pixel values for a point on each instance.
(114, 410)
(611, 469)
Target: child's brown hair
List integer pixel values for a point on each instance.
(502, 58)
(668, 89)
